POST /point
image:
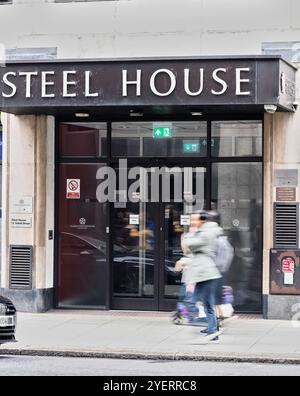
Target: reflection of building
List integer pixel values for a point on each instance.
(238, 198)
(0, 193)
(66, 120)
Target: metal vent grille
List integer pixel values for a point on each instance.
(20, 267)
(286, 225)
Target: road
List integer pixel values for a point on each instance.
(53, 366)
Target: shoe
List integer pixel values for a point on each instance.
(205, 331)
(212, 336)
(214, 341)
(208, 339)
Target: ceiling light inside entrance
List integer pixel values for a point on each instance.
(82, 115)
(196, 113)
(136, 113)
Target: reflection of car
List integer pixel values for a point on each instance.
(84, 261)
(7, 320)
(130, 269)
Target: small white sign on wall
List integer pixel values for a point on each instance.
(185, 220)
(21, 204)
(21, 222)
(73, 189)
(134, 219)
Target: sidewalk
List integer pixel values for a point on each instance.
(151, 336)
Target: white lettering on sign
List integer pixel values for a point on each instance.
(187, 83)
(87, 85)
(46, 83)
(220, 81)
(70, 79)
(10, 85)
(240, 81)
(67, 83)
(28, 76)
(136, 82)
(172, 82)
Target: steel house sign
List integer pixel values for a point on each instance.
(46, 87)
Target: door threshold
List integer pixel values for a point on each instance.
(114, 312)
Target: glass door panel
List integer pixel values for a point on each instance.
(176, 218)
(82, 252)
(134, 250)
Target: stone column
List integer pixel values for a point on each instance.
(28, 171)
(281, 151)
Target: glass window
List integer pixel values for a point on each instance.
(236, 139)
(237, 196)
(1, 140)
(138, 139)
(83, 139)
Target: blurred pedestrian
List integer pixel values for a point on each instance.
(224, 257)
(202, 273)
(184, 299)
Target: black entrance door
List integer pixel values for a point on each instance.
(146, 240)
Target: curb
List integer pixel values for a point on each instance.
(203, 357)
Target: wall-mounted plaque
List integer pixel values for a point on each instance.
(286, 178)
(285, 194)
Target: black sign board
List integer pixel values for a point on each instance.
(50, 85)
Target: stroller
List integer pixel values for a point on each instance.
(183, 314)
(186, 315)
(188, 312)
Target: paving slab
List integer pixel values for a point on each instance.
(151, 336)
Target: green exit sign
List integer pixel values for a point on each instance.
(162, 131)
(191, 148)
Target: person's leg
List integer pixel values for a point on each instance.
(192, 300)
(219, 298)
(180, 303)
(208, 299)
(181, 294)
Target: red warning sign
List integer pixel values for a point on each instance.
(73, 188)
(288, 265)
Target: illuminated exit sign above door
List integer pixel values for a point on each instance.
(162, 130)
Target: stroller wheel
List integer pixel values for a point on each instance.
(177, 321)
(176, 318)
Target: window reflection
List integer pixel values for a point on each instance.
(236, 138)
(82, 139)
(135, 139)
(237, 196)
(133, 248)
(82, 240)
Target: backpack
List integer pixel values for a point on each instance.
(224, 254)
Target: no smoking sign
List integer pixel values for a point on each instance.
(73, 188)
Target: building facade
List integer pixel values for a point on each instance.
(175, 86)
